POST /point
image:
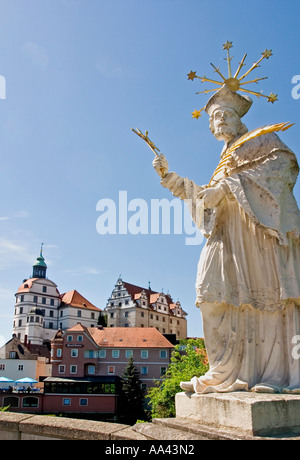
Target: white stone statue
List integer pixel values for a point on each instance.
(248, 280)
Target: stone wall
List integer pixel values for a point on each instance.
(16, 426)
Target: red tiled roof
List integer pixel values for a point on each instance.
(74, 299)
(27, 285)
(125, 337)
(133, 289)
(135, 292)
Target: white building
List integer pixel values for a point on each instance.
(41, 310)
(134, 306)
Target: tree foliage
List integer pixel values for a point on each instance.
(132, 395)
(188, 359)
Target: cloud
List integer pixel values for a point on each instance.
(110, 69)
(36, 54)
(82, 271)
(12, 253)
(18, 215)
(21, 214)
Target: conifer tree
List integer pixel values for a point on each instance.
(132, 395)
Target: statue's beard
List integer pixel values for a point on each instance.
(225, 133)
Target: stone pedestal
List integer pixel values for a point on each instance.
(254, 414)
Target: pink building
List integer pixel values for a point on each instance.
(83, 353)
(87, 365)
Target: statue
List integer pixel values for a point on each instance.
(248, 279)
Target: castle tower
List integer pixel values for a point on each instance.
(40, 266)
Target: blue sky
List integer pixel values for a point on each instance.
(79, 74)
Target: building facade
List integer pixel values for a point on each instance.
(133, 306)
(87, 353)
(18, 361)
(40, 309)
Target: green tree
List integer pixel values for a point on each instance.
(102, 320)
(132, 395)
(188, 359)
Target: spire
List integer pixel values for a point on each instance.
(40, 266)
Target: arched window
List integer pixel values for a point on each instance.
(11, 401)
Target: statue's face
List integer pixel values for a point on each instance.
(225, 124)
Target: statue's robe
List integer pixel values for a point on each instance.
(248, 280)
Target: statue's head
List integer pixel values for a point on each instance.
(225, 109)
(226, 125)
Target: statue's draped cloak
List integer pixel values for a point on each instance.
(248, 280)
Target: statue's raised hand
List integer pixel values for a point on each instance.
(160, 165)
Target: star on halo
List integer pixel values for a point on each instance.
(234, 81)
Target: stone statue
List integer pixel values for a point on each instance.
(248, 280)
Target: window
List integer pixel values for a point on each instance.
(2, 367)
(12, 354)
(66, 402)
(51, 312)
(92, 315)
(35, 298)
(144, 354)
(74, 353)
(83, 402)
(52, 302)
(73, 369)
(163, 371)
(50, 325)
(91, 369)
(144, 370)
(79, 338)
(58, 352)
(61, 369)
(78, 313)
(21, 310)
(20, 367)
(102, 354)
(69, 338)
(11, 401)
(44, 288)
(128, 353)
(163, 354)
(126, 314)
(111, 370)
(115, 353)
(142, 314)
(30, 401)
(22, 298)
(44, 300)
(90, 354)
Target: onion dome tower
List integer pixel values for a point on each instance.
(40, 266)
